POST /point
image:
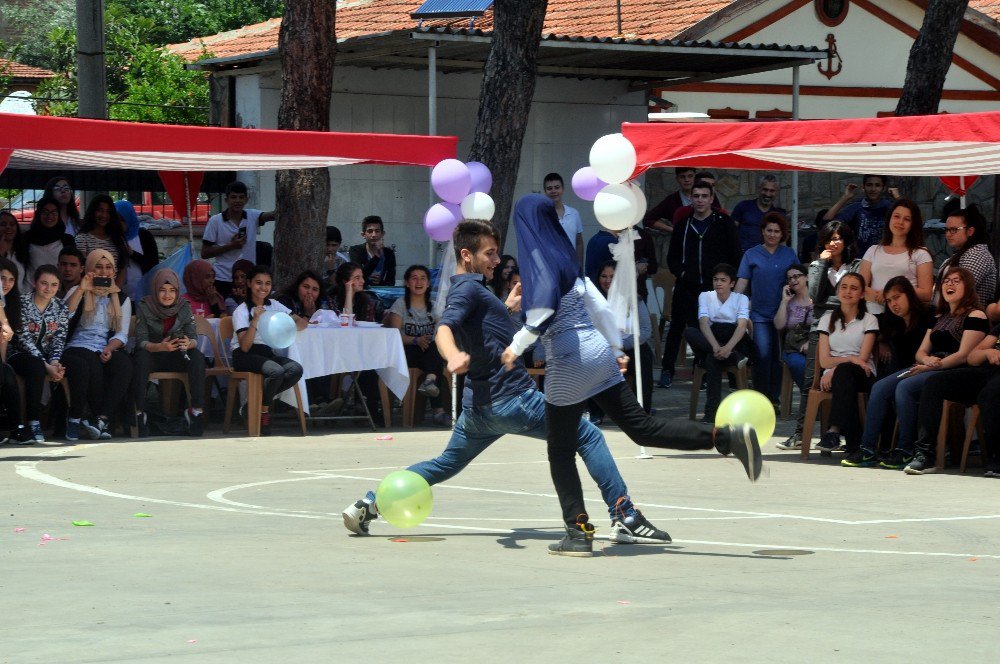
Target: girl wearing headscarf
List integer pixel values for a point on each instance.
(97, 365)
(143, 254)
(165, 340)
(582, 363)
(199, 281)
(43, 240)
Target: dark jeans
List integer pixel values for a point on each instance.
(683, 312)
(147, 362)
(103, 386)
(429, 361)
(31, 369)
(849, 380)
(965, 385)
(10, 396)
(620, 404)
(280, 373)
(714, 367)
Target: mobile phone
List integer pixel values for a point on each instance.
(904, 374)
(242, 232)
(102, 282)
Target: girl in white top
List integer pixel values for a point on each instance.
(901, 253)
(845, 353)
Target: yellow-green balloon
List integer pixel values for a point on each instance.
(747, 407)
(404, 499)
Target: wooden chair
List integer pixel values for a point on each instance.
(975, 425)
(787, 387)
(818, 404)
(202, 328)
(739, 374)
(168, 397)
(537, 374)
(255, 388)
(414, 403)
(24, 404)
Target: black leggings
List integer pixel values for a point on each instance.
(31, 369)
(103, 386)
(618, 403)
(280, 373)
(10, 396)
(849, 380)
(147, 362)
(965, 385)
(429, 361)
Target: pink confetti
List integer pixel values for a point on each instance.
(400, 539)
(19, 530)
(192, 640)
(49, 538)
(624, 601)
(385, 437)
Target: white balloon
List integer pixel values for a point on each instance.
(615, 207)
(613, 158)
(640, 202)
(478, 205)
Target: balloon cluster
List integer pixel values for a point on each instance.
(464, 191)
(618, 203)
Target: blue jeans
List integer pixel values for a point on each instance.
(767, 370)
(905, 394)
(796, 363)
(478, 428)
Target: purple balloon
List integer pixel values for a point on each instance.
(586, 184)
(451, 180)
(482, 179)
(441, 219)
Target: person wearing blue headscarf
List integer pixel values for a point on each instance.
(143, 254)
(564, 311)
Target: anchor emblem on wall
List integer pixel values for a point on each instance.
(832, 68)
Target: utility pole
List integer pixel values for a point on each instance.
(90, 79)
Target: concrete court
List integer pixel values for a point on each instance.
(245, 558)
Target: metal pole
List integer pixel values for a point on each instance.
(90, 76)
(187, 210)
(431, 128)
(961, 185)
(795, 174)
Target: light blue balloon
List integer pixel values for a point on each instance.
(277, 329)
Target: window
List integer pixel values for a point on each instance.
(832, 12)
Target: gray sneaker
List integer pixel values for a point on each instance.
(741, 442)
(920, 465)
(88, 430)
(794, 442)
(358, 516)
(579, 542)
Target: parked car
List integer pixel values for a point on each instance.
(151, 203)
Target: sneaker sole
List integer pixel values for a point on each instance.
(783, 446)
(753, 464)
(572, 554)
(352, 523)
(622, 535)
(925, 471)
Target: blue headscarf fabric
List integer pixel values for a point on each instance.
(547, 261)
(131, 219)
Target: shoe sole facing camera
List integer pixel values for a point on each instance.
(354, 519)
(746, 448)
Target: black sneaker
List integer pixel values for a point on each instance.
(196, 423)
(142, 425)
(896, 460)
(666, 379)
(579, 541)
(635, 529)
(859, 459)
(920, 465)
(360, 514)
(741, 442)
(829, 442)
(793, 442)
(265, 424)
(22, 435)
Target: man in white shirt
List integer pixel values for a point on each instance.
(569, 218)
(232, 235)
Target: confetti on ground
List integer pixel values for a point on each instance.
(49, 538)
(192, 640)
(400, 539)
(82, 523)
(624, 601)
(142, 515)
(19, 530)
(892, 536)
(386, 437)
(973, 559)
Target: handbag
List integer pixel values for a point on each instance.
(796, 337)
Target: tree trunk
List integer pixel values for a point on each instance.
(930, 57)
(306, 47)
(505, 98)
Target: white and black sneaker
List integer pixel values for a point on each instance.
(635, 529)
(360, 514)
(741, 442)
(793, 442)
(88, 430)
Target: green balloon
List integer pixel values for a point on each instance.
(747, 407)
(404, 499)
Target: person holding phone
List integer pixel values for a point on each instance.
(794, 317)
(165, 340)
(232, 235)
(97, 366)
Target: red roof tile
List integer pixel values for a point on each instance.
(641, 19)
(989, 7)
(18, 70)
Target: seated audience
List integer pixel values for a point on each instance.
(501, 276)
(70, 270)
(58, 188)
(102, 229)
(794, 319)
(40, 340)
(349, 296)
(200, 282)
(11, 238)
(377, 261)
(238, 294)
(959, 328)
(966, 233)
(251, 353)
(140, 247)
(903, 326)
(334, 258)
(901, 253)
(412, 316)
(43, 241)
(166, 340)
(599, 253)
(10, 319)
(846, 354)
(720, 339)
(305, 296)
(98, 367)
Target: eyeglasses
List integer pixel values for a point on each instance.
(951, 282)
(794, 277)
(952, 231)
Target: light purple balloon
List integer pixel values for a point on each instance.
(586, 184)
(451, 180)
(482, 179)
(441, 219)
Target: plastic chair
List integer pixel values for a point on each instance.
(414, 403)
(255, 389)
(739, 374)
(975, 425)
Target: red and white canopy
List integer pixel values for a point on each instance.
(62, 143)
(932, 145)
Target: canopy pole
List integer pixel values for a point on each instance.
(795, 174)
(961, 187)
(187, 211)
(431, 128)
